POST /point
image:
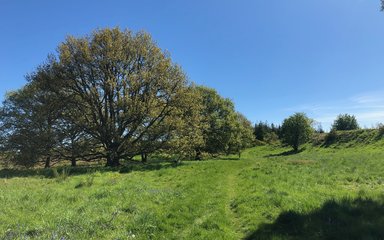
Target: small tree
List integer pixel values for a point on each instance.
(296, 130)
(345, 122)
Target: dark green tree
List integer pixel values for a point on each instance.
(261, 129)
(296, 130)
(345, 122)
(30, 118)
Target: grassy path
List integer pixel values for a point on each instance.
(231, 185)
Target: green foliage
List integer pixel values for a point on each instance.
(219, 118)
(345, 122)
(223, 129)
(331, 137)
(112, 94)
(29, 120)
(267, 133)
(125, 104)
(380, 128)
(296, 130)
(187, 133)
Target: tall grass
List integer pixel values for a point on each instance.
(259, 196)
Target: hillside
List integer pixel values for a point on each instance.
(322, 192)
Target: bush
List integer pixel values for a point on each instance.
(345, 122)
(331, 137)
(271, 138)
(380, 128)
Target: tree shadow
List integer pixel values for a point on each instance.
(286, 153)
(228, 158)
(80, 170)
(346, 219)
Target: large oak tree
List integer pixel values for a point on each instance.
(126, 90)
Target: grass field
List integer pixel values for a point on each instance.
(334, 192)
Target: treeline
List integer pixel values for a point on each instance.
(115, 95)
(270, 133)
(299, 129)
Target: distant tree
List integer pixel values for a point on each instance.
(260, 130)
(296, 130)
(268, 133)
(345, 122)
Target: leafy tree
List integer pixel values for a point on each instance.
(242, 135)
(185, 132)
(345, 122)
(296, 130)
(126, 90)
(218, 122)
(29, 119)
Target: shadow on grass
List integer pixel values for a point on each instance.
(227, 158)
(347, 219)
(80, 170)
(286, 153)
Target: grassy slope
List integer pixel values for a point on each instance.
(329, 192)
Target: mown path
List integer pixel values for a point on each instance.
(231, 185)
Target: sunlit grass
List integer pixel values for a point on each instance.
(214, 199)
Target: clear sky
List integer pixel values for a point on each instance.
(271, 57)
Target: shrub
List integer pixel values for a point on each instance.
(345, 122)
(331, 137)
(380, 128)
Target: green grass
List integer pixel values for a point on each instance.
(334, 192)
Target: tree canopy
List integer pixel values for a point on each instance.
(296, 130)
(115, 94)
(345, 122)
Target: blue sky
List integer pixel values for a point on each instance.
(271, 57)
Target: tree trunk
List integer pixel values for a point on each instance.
(198, 155)
(113, 159)
(73, 161)
(47, 162)
(144, 157)
(296, 148)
